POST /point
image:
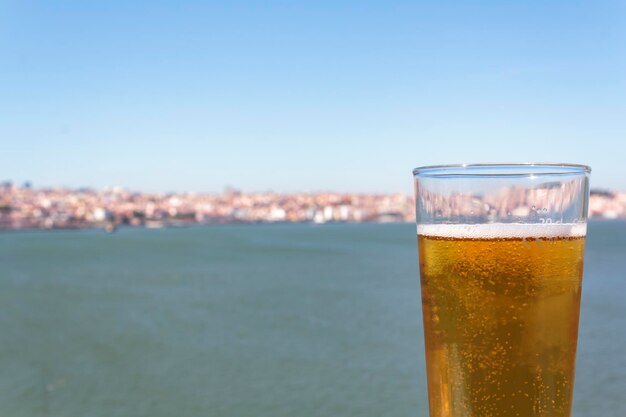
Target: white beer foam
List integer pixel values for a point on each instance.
(503, 230)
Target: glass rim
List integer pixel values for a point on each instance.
(523, 169)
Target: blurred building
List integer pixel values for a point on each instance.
(25, 207)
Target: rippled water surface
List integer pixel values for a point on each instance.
(259, 321)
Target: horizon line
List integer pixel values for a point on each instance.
(228, 189)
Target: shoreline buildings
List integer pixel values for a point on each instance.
(24, 207)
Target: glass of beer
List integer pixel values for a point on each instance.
(501, 261)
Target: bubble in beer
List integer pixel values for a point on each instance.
(501, 306)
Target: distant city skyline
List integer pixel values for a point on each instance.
(309, 96)
(225, 189)
(37, 208)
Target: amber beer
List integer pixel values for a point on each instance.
(501, 306)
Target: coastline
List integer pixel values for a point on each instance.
(26, 208)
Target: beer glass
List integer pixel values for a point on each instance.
(501, 261)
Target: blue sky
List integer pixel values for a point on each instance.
(306, 96)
